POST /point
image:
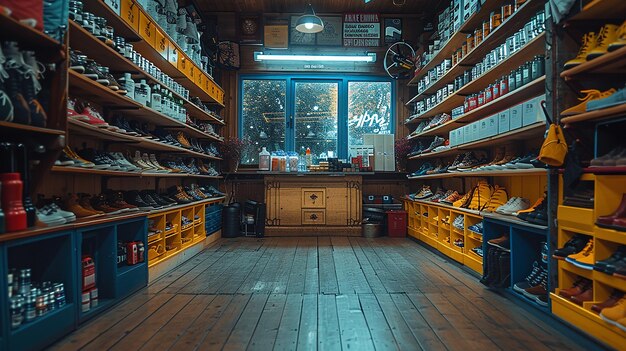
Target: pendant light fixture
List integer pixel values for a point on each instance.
(309, 22)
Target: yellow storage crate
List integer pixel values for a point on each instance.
(129, 11)
(147, 29)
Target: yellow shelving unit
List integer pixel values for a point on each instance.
(434, 232)
(572, 221)
(179, 238)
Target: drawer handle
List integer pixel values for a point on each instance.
(313, 197)
(313, 217)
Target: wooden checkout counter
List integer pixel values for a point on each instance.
(312, 203)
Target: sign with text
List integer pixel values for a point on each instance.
(276, 36)
(361, 29)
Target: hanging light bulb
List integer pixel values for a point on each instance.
(309, 22)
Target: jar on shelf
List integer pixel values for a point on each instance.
(504, 85)
(538, 67)
(506, 11)
(519, 3)
(486, 29)
(478, 37)
(495, 20)
(495, 90)
(470, 42)
(463, 49)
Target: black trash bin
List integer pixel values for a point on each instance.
(231, 220)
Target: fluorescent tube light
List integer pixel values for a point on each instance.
(370, 57)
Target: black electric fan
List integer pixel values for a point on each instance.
(399, 60)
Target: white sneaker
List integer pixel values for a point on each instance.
(67, 215)
(122, 161)
(518, 204)
(49, 216)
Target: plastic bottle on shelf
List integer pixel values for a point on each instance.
(141, 93)
(264, 160)
(155, 101)
(12, 191)
(128, 84)
(308, 157)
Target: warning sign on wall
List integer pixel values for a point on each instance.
(361, 29)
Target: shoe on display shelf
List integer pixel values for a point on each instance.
(588, 43)
(478, 251)
(477, 228)
(459, 222)
(615, 220)
(573, 246)
(615, 297)
(499, 155)
(450, 199)
(465, 200)
(135, 199)
(590, 95)
(617, 98)
(584, 258)
(438, 195)
(522, 162)
(620, 40)
(64, 160)
(470, 162)
(518, 204)
(49, 216)
(609, 265)
(606, 36)
(609, 159)
(532, 279)
(578, 288)
(499, 197)
(585, 296)
(539, 289)
(480, 196)
(501, 242)
(72, 204)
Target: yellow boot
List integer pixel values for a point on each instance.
(498, 198)
(620, 41)
(589, 41)
(592, 94)
(607, 35)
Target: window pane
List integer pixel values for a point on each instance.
(316, 118)
(263, 115)
(369, 110)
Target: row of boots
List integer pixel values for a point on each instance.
(497, 272)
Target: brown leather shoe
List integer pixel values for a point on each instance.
(620, 213)
(536, 290)
(585, 296)
(610, 302)
(578, 288)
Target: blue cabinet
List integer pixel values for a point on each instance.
(57, 257)
(50, 258)
(526, 243)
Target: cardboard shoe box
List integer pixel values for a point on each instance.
(488, 127)
(503, 121)
(515, 117)
(532, 112)
(475, 135)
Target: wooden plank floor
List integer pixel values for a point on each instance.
(326, 293)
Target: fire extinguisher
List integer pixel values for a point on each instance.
(89, 273)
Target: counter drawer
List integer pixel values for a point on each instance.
(313, 217)
(313, 197)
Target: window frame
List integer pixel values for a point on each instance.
(342, 120)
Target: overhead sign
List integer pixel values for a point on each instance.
(361, 29)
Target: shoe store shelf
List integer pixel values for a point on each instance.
(601, 10)
(585, 319)
(528, 91)
(611, 235)
(500, 173)
(526, 53)
(30, 38)
(109, 173)
(611, 62)
(79, 223)
(435, 233)
(210, 92)
(82, 128)
(474, 21)
(541, 229)
(82, 40)
(10, 127)
(498, 36)
(597, 115)
(524, 133)
(88, 89)
(183, 206)
(569, 267)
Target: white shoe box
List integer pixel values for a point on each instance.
(460, 136)
(503, 121)
(452, 138)
(467, 131)
(475, 134)
(532, 112)
(515, 118)
(488, 127)
(469, 8)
